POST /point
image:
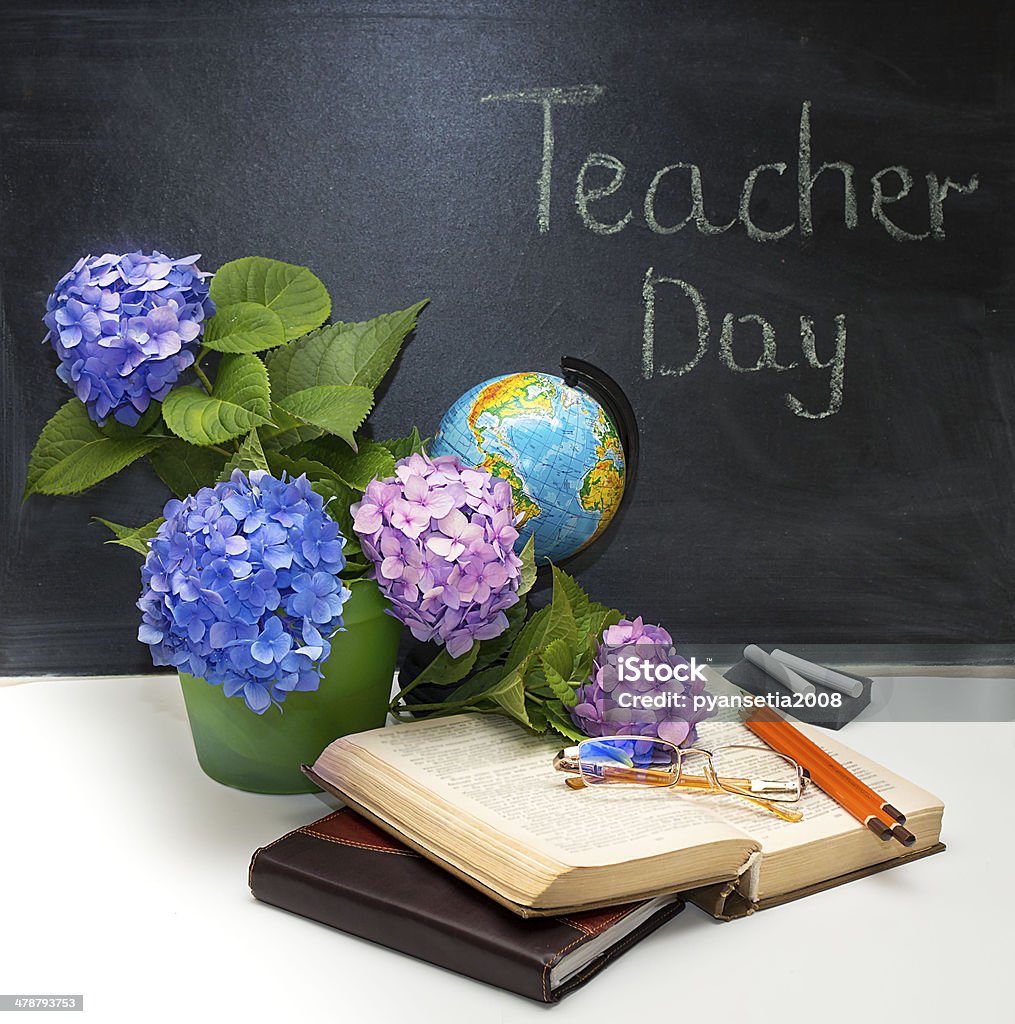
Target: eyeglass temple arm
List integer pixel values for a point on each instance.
(700, 783)
(661, 777)
(784, 813)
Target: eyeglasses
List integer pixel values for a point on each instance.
(759, 775)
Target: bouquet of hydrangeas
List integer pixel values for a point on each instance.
(248, 405)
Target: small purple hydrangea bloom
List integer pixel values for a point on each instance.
(125, 328)
(441, 537)
(598, 710)
(233, 593)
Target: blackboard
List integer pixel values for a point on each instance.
(401, 149)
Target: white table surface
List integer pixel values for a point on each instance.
(123, 875)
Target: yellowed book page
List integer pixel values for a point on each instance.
(504, 777)
(823, 817)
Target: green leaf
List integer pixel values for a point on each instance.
(72, 453)
(403, 447)
(284, 421)
(557, 658)
(243, 380)
(291, 291)
(186, 468)
(601, 618)
(339, 409)
(339, 496)
(145, 425)
(445, 670)
(240, 400)
(536, 715)
(510, 695)
(477, 687)
(244, 327)
(563, 691)
(286, 431)
(560, 721)
(249, 457)
(355, 468)
(134, 537)
(528, 571)
(283, 461)
(583, 658)
(530, 638)
(354, 353)
(576, 597)
(504, 690)
(548, 624)
(372, 461)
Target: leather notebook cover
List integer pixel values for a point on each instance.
(345, 872)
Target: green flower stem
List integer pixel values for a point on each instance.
(457, 705)
(435, 711)
(203, 378)
(222, 451)
(406, 689)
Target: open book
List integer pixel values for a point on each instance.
(479, 796)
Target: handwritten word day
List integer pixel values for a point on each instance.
(602, 175)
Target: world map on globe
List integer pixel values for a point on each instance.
(553, 443)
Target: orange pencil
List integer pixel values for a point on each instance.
(837, 781)
(768, 715)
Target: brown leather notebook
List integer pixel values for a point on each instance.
(345, 872)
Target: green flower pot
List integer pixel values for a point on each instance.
(263, 753)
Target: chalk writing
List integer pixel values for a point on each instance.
(548, 98)
(891, 185)
(767, 359)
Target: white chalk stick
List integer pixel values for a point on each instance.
(819, 674)
(778, 671)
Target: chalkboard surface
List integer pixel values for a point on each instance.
(821, 361)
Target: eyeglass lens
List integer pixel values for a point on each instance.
(628, 760)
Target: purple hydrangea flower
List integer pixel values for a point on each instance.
(241, 587)
(441, 537)
(598, 710)
(125, 328)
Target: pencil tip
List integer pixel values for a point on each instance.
(880, 829)
(904, 836)
(892, 812)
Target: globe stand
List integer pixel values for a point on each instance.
(577, 373)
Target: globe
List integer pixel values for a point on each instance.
(554, 444)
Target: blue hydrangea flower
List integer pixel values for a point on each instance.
(241, 587)
(125, 328)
